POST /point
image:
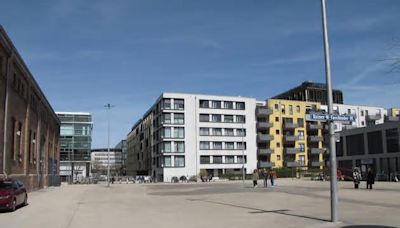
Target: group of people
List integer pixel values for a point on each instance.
(357, 177)
(266, 174)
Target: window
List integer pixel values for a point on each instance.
(277, 119)
(229, 132)
(362, 123)
(167, 161)
(283, 108)
(179, 104)
(297, 108)
(166, 118)
(229, 159)
(392, 140)
(240, 159)
(348, 111)
(240, 119)
(301, 135)
(290, 109)
(278, 145)
(301, 146)
(278, 157)
(300, 122)
(240, 106)
(166, 132)
(217, 131)
(217, 145)
(228, 104)
(362, 112)
(217, 159)
(276, 107)
(241, 132)
(179, 118)
(302, 160)
(166, 147)
(179, 161)
(179, 132)
(204, 159)
(241, 145)
(204, 104)
(204, 131)
(277, 131)
(179, 147)
(216, 118)
(228, 119)
(204, 145)
(66, 129)
(204, 118)
(229, 145)
(166, 104)
(216, 104)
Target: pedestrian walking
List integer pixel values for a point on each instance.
(272, 177)
(255, 178)
(265, 177)
(356, 177)
(370, 178)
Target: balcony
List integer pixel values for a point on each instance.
(374, 117)
(317, 151)
(291, 138)
(292, 164)
(292, 150)
(265, 151)
(263, 111)
(315, 138)
(315, 126)
(287, 125)
(264, 137)
(264, 125)
(264, 164)
(317, 163)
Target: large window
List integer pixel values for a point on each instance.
(392, 140)
(216, 118)
(240, 119)
(179, 161)
(179, 118)
(240, 106)
(167, 161)
(355, 144)
(228, 104)
(229, 132)
(375, 145)
(228, 119)
(217, 159)
(166, 147)
(204, 104)
(166, 132)
(179, 104)
(240, 159)
(166, 104)
(204, 118)
(229, 159)
(166, 118)
(217, 131)
(204, 159)
(217, 145)
(204, 131)
(204, 145)
(179, 147)
(241, 145)
(229, 145)
(216, 104)
(66, 129)
(179, 132)
(241, 132)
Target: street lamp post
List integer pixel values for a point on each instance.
(243, 173)
(108, 106)
(332, 146)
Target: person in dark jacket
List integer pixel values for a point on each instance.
(370, 178)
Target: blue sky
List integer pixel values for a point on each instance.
(85, 54)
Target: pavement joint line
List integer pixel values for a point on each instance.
(78, 204)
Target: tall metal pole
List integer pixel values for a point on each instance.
(332, 145)
(243, 173)
(108, 106)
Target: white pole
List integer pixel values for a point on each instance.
(334, 197)
(108, 106)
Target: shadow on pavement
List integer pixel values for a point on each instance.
(367, 226)
(260, 211)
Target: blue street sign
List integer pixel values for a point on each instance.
(330, 117)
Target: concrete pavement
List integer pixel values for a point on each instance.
(292, 203)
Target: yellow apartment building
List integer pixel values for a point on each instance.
(285, 138)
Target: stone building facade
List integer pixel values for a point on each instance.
(29, 128)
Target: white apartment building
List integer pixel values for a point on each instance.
(99, 160)
(365, 115)
(193, 132)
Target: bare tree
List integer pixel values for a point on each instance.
(393, 56)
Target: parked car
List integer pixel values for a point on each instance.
(12, 194)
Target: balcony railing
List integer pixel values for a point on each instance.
(292, 150)
(316, 151)
(265, 164)
(265, 151)
(373, 117)
(288, 125)
(264, 125)
(264, 137)
(315, 138)
(293, 164)
(315, 126)
(263, 111)
(317, 163)
(291, 138)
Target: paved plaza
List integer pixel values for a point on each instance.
(292, 203)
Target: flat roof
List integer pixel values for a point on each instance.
(74, 113)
